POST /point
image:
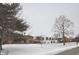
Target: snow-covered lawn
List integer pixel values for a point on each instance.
(37, 49)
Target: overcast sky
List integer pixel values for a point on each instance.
(41, 16)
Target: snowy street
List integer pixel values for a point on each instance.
(74, 51)
(37, 49)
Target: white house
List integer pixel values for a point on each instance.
(48, 40)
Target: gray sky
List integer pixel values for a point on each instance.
(41, 16)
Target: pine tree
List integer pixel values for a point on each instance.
(9, 22)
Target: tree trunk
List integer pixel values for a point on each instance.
(0, 44)
(63, 41)
(1, 34)
(63, 35)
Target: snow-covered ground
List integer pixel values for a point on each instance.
(37, 49)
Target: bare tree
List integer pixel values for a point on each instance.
(63, 26)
